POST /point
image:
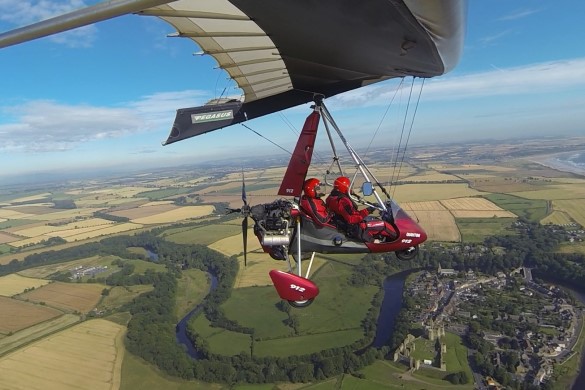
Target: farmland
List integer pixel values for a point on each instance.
(17, 315)
(15, 284)
(65, 296)
(453, 203)
(48, 363)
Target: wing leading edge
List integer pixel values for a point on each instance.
(283, 54)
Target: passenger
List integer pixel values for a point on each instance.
(356, 224)
(312, 203)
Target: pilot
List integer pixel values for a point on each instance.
(355, 221)
(312, 203)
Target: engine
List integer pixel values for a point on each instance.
(273, 222)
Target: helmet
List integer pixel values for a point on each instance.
(312, 187)
(342, 184)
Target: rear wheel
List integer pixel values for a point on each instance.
(407, 254)
(301, 304)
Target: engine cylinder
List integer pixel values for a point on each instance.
(275, 239)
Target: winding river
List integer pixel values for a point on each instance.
(393, 286)
(181, 329)
(391, 304)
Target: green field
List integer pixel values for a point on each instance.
(390, 375)
(191, 289)
(456, 356)
(16, 222)
(164, 193)
(477, 229)
(255, 307)
(220, 340)
(303, 345)
(203, 235)
(4, 248)
(120, 295)
(138, 374)
(531, 209)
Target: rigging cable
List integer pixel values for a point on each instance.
(384, 116)
(410, 129)
(394, 176)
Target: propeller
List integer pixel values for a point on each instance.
(245, 211)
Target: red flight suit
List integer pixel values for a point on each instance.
(342, 205)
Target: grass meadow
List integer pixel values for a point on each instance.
(531, 209)
(477, 229)
(192, 288)
(220, 340)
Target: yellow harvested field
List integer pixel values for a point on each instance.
(67, 296)
(28, 241)
(233, 245)
(144, 211)
(36, 208)
(433, 205)
(425, 192)
(119, 192)
(470, 167)
(470, 204)
(177, 215)
(110, 229)
(5, 237)
(36, 332)
(94, 223)
(32, 198)
(430, 176)
(156, 203)
(475, 208)
(482, 214)
(67, 214)
(223, 187)
(13, 214)
(15, 284)
(573, 207)
(439, 225)
(16, 315)
(555, 192)
(87, 356)
(557, 218)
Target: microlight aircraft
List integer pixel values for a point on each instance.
(285, 53)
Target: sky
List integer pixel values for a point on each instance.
(104, 96)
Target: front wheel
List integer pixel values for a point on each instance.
(407, 254)
(301, 304)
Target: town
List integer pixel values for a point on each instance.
(518, 327)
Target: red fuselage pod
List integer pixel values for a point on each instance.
(292, 287)
(410, 235)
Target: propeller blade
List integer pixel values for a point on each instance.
(245, 237)
(244, 197)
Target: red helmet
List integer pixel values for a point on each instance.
(342, 184)
(312, 187)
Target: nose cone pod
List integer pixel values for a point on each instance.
(292, 287)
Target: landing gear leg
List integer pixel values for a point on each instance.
(306, 302)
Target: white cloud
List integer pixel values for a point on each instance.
(43, 126)
(532, 79)
(520, 13)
